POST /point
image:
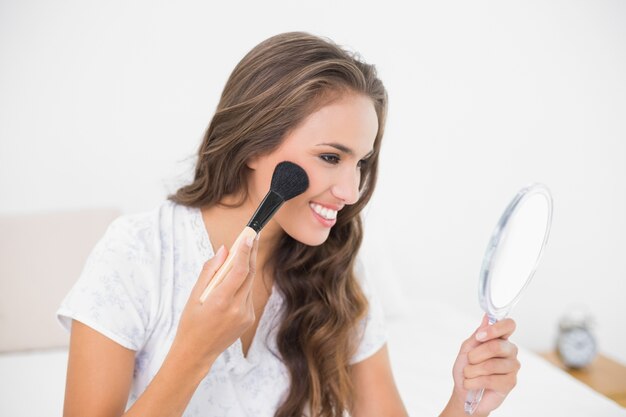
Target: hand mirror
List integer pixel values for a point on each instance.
(511, 258)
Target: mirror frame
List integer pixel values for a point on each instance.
(484, 289)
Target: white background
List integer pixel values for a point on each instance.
(105, 103)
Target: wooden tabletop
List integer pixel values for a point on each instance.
(604, 375)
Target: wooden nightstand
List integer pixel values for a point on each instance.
(603, 375)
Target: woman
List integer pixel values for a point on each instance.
(290, 331)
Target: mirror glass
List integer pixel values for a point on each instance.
(514, 250)
(518, 249)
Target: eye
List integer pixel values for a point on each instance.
(330, 158)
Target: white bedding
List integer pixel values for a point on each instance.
(422, 348)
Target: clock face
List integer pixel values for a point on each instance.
(577, 347)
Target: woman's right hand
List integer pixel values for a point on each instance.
(206, 329)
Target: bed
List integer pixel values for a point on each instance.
(422, 348)
(33, 382)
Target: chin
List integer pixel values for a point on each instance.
(309, 239)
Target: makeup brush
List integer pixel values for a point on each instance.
(288, 181)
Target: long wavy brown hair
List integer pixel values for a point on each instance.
(269, 93)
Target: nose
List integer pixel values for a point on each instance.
(346, 185)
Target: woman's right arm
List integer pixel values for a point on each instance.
(99, 373)
(100, 370)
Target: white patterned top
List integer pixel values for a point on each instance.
(133, 289)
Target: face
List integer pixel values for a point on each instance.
(331, 145)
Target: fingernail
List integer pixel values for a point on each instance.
(249, 241)
(220, 251)
(481, 336)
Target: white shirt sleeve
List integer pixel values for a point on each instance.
(372, 332)
(112, 294)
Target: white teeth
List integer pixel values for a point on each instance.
(325, 212)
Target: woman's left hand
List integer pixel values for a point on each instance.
(487, 360)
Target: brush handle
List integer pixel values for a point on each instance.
(228, 263)
(266, 210)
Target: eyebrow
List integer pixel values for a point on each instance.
(344, 149)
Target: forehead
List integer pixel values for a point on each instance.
(349, 120)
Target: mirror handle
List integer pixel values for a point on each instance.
(474, 396)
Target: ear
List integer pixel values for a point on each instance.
(252, 162)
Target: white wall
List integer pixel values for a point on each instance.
(103, 103)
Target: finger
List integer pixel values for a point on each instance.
(471, 342)
(245, 290)
(496, 348)
(208, 271)
(499, 383)
(496, 366)
(249, 302)
(240, 266)
(255, 250)
(499, 330)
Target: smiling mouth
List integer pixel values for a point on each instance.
(324, 212)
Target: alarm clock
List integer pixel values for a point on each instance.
(576, 344)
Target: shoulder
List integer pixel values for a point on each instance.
(143, 225)
(142, 232)
(123, 278)
(361, 275)
(371, 332)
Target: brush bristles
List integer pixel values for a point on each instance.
(289, 180)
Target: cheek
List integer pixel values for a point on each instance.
(320, 179)
(294, 209)
(291, 209)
